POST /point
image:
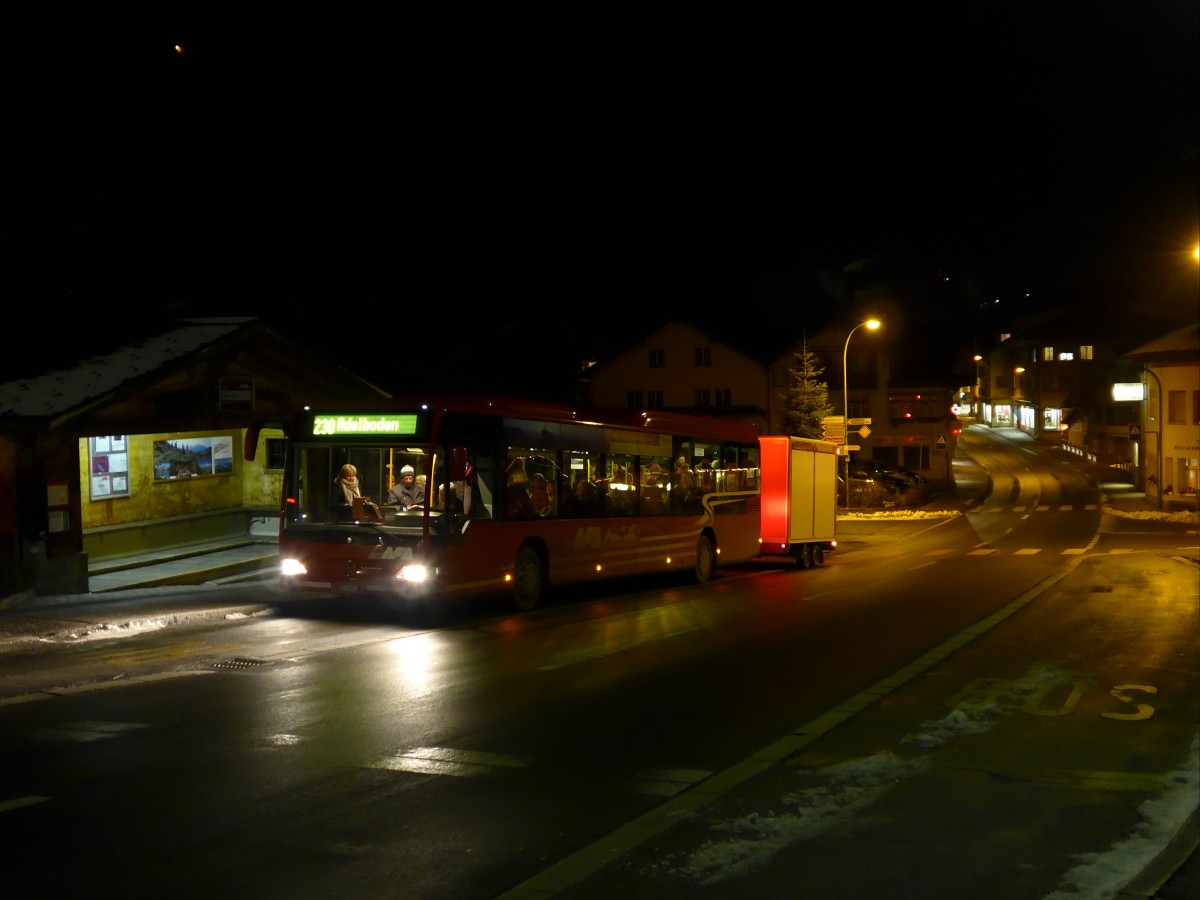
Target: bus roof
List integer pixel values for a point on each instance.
(675, 423)
(522, 407)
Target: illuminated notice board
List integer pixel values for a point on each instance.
(108, 465)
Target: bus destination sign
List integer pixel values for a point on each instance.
(376, 424)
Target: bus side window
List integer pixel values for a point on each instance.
(484, 504)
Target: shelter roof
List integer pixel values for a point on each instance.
(59, 391)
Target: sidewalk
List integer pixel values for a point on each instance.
(222, 562)
(166, 573)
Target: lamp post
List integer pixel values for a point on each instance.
(977, 406)
(1158, 435)
(1018, 391)
(871, 324)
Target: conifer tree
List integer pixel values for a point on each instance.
(807, 400)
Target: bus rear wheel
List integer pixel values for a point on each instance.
(705, 560)
(529, 579)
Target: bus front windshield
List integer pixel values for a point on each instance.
(357, 482)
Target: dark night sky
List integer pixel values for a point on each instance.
(552, 180)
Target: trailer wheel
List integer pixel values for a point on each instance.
(529, 579)
(818, 555)
(804, 557)
(705, 560)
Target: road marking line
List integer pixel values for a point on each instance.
(579, 865)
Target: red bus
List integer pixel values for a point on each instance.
(521, 496)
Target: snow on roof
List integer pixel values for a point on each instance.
(62, 390)
(1185, 340)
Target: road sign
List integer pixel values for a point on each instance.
(866, 421)
(848, 447)
(864, 432)
(1135, 433)
(941, 442)
(831, 420)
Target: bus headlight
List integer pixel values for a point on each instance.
(414, 573)
(292, 567)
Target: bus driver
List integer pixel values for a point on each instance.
(407, 494)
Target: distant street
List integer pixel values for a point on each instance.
(1001, 704)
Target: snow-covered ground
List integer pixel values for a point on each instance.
(1184, 516)
(825, 798)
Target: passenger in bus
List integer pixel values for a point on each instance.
(601, 481)
(460, 498)
(345, 490)
(517, 503)
(653, 502)
(406, 493)
(539, 494)
(684, 479)
(683, 483)
(585, 497)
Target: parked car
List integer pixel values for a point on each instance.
(895, 482)
(871, 492)
(912, 485)
(872, 467)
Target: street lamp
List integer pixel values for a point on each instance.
(1158, 435)
(871, 324)
(977, 406)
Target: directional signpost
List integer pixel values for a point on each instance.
(834, 429)
(863, 432)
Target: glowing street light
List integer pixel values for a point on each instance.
(977, 405)
(871, 324)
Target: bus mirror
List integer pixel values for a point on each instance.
(457, 463)
(250, 448)
(253, 432)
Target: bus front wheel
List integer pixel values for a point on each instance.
(529, 579)
(705, 560)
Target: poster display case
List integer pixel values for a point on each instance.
(108, 463)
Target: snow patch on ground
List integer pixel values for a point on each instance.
(839, 792)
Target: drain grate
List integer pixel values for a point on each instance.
(239, 662)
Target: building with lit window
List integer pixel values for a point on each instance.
(903, 414)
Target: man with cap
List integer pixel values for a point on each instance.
(406, 493)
